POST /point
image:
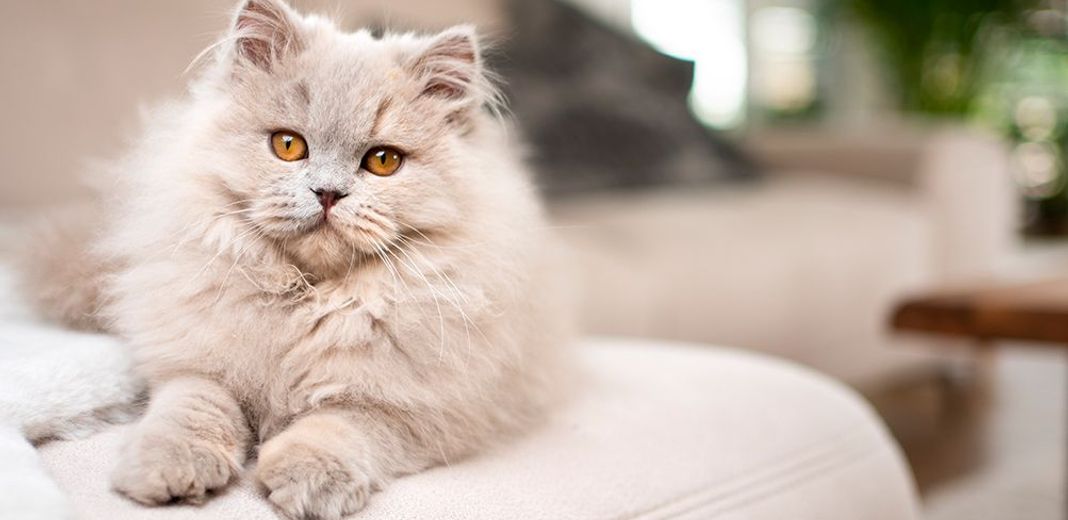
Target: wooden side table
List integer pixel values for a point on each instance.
(1035, 311)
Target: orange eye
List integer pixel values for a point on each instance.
(289, 146)
(382, 161)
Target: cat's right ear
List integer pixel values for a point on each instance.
(264, 32)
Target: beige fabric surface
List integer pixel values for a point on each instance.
(806, 268)
(654, 431)
(809, 262)
(960, 179)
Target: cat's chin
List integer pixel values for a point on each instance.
(327, 248)
(312, 229)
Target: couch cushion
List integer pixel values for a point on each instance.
(653, 431)
(799, 266)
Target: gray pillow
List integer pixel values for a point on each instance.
(602, 109)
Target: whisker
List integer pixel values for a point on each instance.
(468, 322)
(220, 251)
(437, 304)
(437, 272)
(429, 241)
(381, 249)
(222, 285)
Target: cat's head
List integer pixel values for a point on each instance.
(336, 143)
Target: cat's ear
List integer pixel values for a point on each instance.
(450, 66)
(264, 32)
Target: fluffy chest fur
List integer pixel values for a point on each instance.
(424, 326)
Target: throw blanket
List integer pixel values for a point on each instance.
(54, 384)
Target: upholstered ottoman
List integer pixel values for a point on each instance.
(656, 430)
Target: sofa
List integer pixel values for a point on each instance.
(652, 429)
(808, 262)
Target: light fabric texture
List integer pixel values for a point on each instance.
(809, 263)
(28, 491)
(806, 269)
(654, 431)
(61, 384)
(56, 383)
(53, 384)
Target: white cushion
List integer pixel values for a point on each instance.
(804, 268)
(656, 431)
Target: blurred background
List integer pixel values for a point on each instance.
(775, 175)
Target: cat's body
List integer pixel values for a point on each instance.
(405, 324)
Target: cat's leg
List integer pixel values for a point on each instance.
(193, 439)
(326, 464)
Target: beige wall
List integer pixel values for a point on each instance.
(73, 74)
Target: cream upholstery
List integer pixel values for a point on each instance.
(809, 262)
(655, 431)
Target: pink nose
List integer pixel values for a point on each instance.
(329, 198)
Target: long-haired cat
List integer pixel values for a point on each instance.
(329, 249)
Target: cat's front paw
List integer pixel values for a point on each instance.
(308, 482)
(157, 469)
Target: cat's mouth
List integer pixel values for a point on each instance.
(324, 221)
(333, 235)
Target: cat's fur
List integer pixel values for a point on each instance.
(416, 326)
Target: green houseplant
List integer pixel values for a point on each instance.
(936, 50)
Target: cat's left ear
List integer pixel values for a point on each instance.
(264, 32)
(450, 67)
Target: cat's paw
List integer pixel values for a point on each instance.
(307, 482)
(156, 470)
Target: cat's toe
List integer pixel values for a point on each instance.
(149, 487)
(165, 471)
(305, 484)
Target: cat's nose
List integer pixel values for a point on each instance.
(328, 198)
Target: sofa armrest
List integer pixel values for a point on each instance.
(965, 181)
(961, 178)
(891, 155)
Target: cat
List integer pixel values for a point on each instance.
(329, 248)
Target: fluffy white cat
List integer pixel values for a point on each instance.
(329, 249)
